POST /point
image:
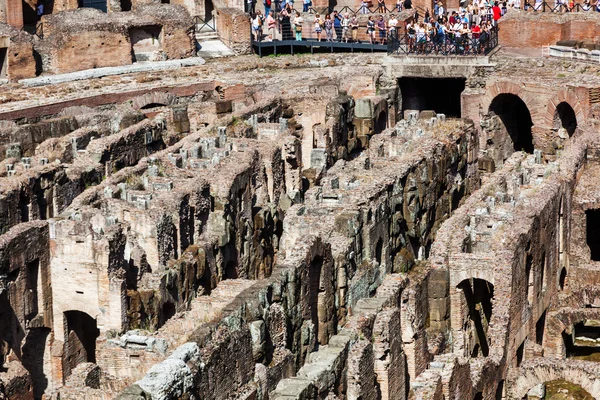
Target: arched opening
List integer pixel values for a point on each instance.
(81, 332)
(562, 389)
(478, 295)
(516, 118)
(564, 117)
(314, 288)
(152, 105)
(379, 251)
(540, 327)
(562, 278)
(478, 396)
(231, 270)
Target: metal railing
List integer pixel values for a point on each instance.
(201, 25)
(560, 7)
(444, 45)
(37, 30)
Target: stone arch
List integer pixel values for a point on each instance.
(565, 117)
(80, 333)
(152, 98)
(499, 88)
(380, 122)
(541, 370)
(564, 96)
(517, 119)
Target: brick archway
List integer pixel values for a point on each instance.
(161, 98)
(564, 96)
(541, 370)
(499, 88)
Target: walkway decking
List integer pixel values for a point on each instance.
(290, 46)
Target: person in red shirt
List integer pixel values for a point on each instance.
(497, 12)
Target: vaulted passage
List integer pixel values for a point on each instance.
(439, 95)
(478, 295)
(516, 118)
(564, 117)
(583, 341)
(81, 332)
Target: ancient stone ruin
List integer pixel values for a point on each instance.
(327, 226)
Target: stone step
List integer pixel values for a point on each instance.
(208, 35)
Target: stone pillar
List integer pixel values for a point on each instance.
(390, 366)
(14, 13)
(361, 375)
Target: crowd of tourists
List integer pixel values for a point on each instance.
(475, 21)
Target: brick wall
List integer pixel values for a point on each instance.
(233, 27)
(522, 29)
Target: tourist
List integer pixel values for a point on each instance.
(257, 24)
(298, 26)
(354, 28)
(267, 4)
(381, 6)
(598, 5)
(328, 28)
(381, 27)
(40, 9)
(364, 8)
(286, 25)
(251, 7)
(271, 26)
(318, 27)
(407, 4)
(441, 11)
(305, 5)
(370, 30)
(497, 13)
(345, 27)
(392, 25)
(337, 26)
(398, 5)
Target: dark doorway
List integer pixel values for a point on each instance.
(441, 95)
(97, 4)
(582, 342)
(562, 278)
(592, 232)
(380, 123)
(520, 354)
(540, 326)
(231, 270)
(314, 282)
(500, 391)
(30, 17)
(3, 63)
(379, 251)
(125, 5)
(81, 332)
(208, 10)
(478, 295)
(564, 117)
(515, 116)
